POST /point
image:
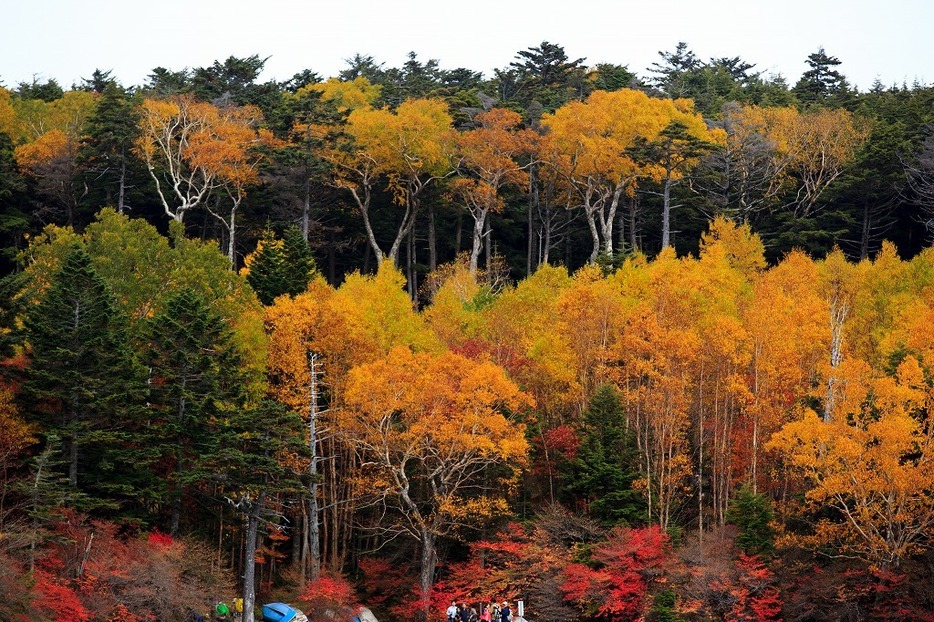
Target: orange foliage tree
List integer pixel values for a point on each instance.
(430, 427)
(488, 162)
(872, 463)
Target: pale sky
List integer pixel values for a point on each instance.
(68, 39)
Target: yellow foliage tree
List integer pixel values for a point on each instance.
(489, 157)
(872, 463)
(410, 147)
(431, 427)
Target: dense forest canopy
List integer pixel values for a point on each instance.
(621, 346)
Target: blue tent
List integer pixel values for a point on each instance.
(278, 612)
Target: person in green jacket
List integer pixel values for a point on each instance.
(222, 611)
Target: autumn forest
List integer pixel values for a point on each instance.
(622, 345)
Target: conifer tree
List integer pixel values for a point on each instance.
(82, 382)
(752, 513)
(250, 468)
(280, 266)
(106, 148)
(822, 83)
(195, 380)
(604, 469)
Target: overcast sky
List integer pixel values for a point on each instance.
(67, 39)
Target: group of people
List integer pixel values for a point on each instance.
(488, 612)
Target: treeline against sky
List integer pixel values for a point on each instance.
(546, 161)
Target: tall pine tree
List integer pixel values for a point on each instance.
(195, 381)
(605, 466)
(82, 382)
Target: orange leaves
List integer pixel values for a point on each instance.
(447, 400)
(195, 147)
(490, 151)
(814, 145)
(51, 146)
(871, 462)
(429, 427)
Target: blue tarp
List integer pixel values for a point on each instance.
(278, 612)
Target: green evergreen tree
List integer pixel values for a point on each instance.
(299, 261)
(281, 266)
(105, 155)
(267, 275)
(46, 493)
(544, 74)
(83, 383)
(664, 607)
(605, 466)
(822, 84)
(47, 92)
(752, 514)
(195, 381)
(677, 75)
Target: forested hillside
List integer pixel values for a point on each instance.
(620, 345)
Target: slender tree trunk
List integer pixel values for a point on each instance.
(306, 209)
(633, 220)
(314, 543)
(867, 228)
(666, 214)
(479, 224)
(249, 558)
(488, 234)
(121, 196)
(432, 238)
(410, 267)
(427, 570)
(232, 242)
(458, 232)
(838, 313)
(533, 203)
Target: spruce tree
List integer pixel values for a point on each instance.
(250, 474)
(281, 266)
(195, 382)
(267, 265)
(752, 514)
(604, 468)
(300, 265)
(82, 382)
(822, 83)
(106, 149)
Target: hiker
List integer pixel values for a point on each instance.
(464, 612)
(452, 612)
(486, 614)
(222, 611)
(505, 613)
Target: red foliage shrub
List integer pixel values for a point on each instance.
(626, 564)
(158, 540)
(755, 592)
(325, 595)
(383, 582)
(57, 600)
